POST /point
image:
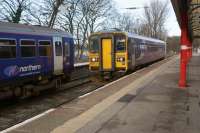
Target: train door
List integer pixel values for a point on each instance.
(58, 55)
(131, 52)
(107, 54)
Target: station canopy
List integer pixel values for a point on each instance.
(192, 9)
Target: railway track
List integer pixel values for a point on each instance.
(17, 111)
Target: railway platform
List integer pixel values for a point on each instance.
(147, 101)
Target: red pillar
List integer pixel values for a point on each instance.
(189, 50)
(185, 50)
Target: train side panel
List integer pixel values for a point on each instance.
(30, 58)
(142, 51)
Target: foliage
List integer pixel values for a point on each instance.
(173, 44)
(83, 17)
(13, 10)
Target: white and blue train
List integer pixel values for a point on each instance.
(33, 53)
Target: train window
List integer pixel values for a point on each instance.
(28, 48)
(7, 48)
(120, 44)
(94, 45)
(58, 48)
(44, 48)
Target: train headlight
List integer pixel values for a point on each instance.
(120, 59)
(94, 59)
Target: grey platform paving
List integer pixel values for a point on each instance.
(148, 101)
(161, 107)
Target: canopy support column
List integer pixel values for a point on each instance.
(185, 50)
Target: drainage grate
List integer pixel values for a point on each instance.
(126, 98)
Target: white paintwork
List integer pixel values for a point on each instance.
(198, 50)
(27, 121)
(184, 47)
(58, 60)
(81, 64)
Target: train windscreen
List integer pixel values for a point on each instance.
(94, 44)
(120, 43)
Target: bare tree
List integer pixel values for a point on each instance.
(124, 22)
(82, 17)
(55, 5)
(12, 10)
(127, 22)
(68, 16)
(99, 10)
(154, 19)
(173, 45)
(45, 13)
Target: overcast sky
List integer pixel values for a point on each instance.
(171, 24)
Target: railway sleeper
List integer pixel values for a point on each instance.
(106, 75)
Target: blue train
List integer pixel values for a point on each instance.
(33, 54)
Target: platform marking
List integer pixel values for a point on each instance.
(86, 94)
(107, 85)
(111, 83)
(81, 64)
(75, 127)
(27, 121)
(80, 121)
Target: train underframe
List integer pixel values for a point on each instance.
(31, 86)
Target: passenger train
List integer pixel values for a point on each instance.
(33, 54)
(111, 51)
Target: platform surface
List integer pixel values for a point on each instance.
(161, 107)
(151, 103)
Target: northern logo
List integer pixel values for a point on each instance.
(13, 71)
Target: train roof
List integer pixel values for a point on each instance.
(130, 35)
(8, 27)
(145, 38)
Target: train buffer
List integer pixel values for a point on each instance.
(147, 101)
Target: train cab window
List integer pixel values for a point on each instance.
(94, 45)
(120, 44)
(44, 48)
(28, 48)
(58, 48)
(7, 48)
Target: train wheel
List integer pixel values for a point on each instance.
(102, 75)
(16, 92)
(26, 91)
(111, 75)
(66, 78)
